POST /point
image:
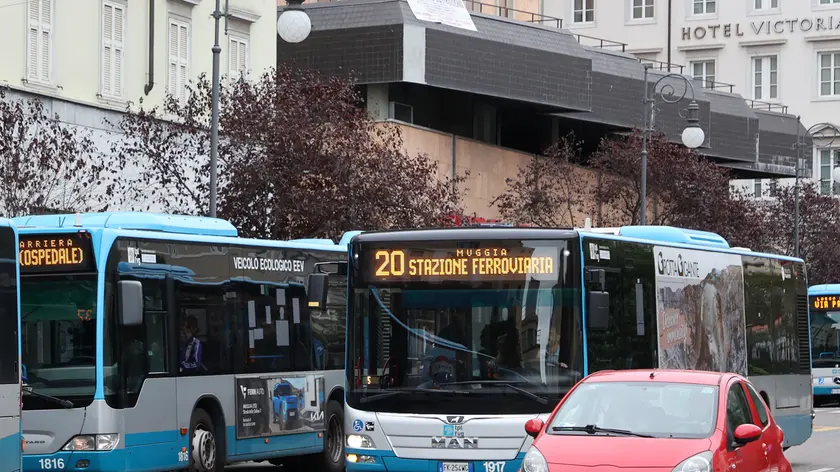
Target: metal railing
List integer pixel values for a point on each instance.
(663, 66)
(760, 105)
(513, 13)
(599, 42)
(714, 85)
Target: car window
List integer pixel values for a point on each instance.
(738, 410)
(759, 406)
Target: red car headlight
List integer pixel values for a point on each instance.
(534, 461)
(697, 463)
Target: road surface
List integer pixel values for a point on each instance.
(819, 454)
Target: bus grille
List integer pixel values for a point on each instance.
(803, 334)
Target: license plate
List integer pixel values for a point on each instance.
(291, 413)
(835, 391)
(455, 467)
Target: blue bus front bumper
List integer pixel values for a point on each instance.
(386, 461)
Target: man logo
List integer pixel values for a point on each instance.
(454, 443)
(244, 391)
(455, 419)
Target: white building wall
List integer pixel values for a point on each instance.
(732, 35)
(88, 59)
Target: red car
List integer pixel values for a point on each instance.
(658, 420)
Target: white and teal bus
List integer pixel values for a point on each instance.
(10, 386)
(824, 305)
(157, 342)
(457, 337)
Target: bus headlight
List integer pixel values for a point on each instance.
(359, 441)
(534, 461)
(698, 463)
(92, 442)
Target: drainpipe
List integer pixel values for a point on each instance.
(669, 35)
(151, 84)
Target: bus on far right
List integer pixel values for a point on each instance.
(824, 307)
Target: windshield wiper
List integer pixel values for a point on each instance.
(408, 391)
(520, 390)
(62, 402)
(592, 429)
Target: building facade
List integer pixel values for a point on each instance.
(491, 99)
(88, 60)
(780, 55)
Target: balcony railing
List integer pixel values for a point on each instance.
(663, 66)
(714, 85)
(760, 105)
(599, 42)
(513, 13)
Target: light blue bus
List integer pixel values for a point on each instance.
(457, 337)
(10, 386)
(824, 305)
(153, 342)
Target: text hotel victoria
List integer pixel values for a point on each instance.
(776, 52)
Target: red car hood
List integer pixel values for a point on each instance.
(621, 452)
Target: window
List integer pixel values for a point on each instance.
(827, 164)
(766, 4)
(757, 189)
(238, 57)
(584, 11)
(179, 64)
(759, 406)
(828, 2)
(766, 78)
(113, 32)
(829, 74)
(704, 71)
(642, 9)
(738, 409)
(704, 7)
(39, 47)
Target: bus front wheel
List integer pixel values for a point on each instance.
(333, 456)
(203, 447)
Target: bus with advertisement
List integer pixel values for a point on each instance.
(10, 382)
(456, 337)
(824, 306)
(155, 342)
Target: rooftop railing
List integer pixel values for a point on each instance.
(769, 106)
(513, 13)
(599, 42)
(663, 66)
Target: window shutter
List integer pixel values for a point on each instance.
(172, 83)
(119, 25)
(233, 60)
(243, 56)
(46, 40)
(107, 48)
(182, 60)
(34, 35)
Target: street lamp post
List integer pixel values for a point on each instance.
(824, 128)
(293, 26)
(692, 136)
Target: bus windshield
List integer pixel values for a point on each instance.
(452, 346)
(825, 338)
(59, 338)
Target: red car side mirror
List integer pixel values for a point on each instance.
(533, 427)
(747, 433)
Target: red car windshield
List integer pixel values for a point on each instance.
(659, 409)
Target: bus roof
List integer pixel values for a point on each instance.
(665, 235)
(181, 227)
(6, 222)
(824, 289)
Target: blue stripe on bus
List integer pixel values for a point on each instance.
(825, 390)
(163, 453)
(386, 460)
(10, 453)
(797, 428)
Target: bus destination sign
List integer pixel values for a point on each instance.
(825, 302)
(67, 252)
(461, 264)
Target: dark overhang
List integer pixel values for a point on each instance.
(380, 41)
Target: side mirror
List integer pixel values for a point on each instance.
(533, 427)
(130, 295)
(746, 433)
(317, 286)
(598, 310)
